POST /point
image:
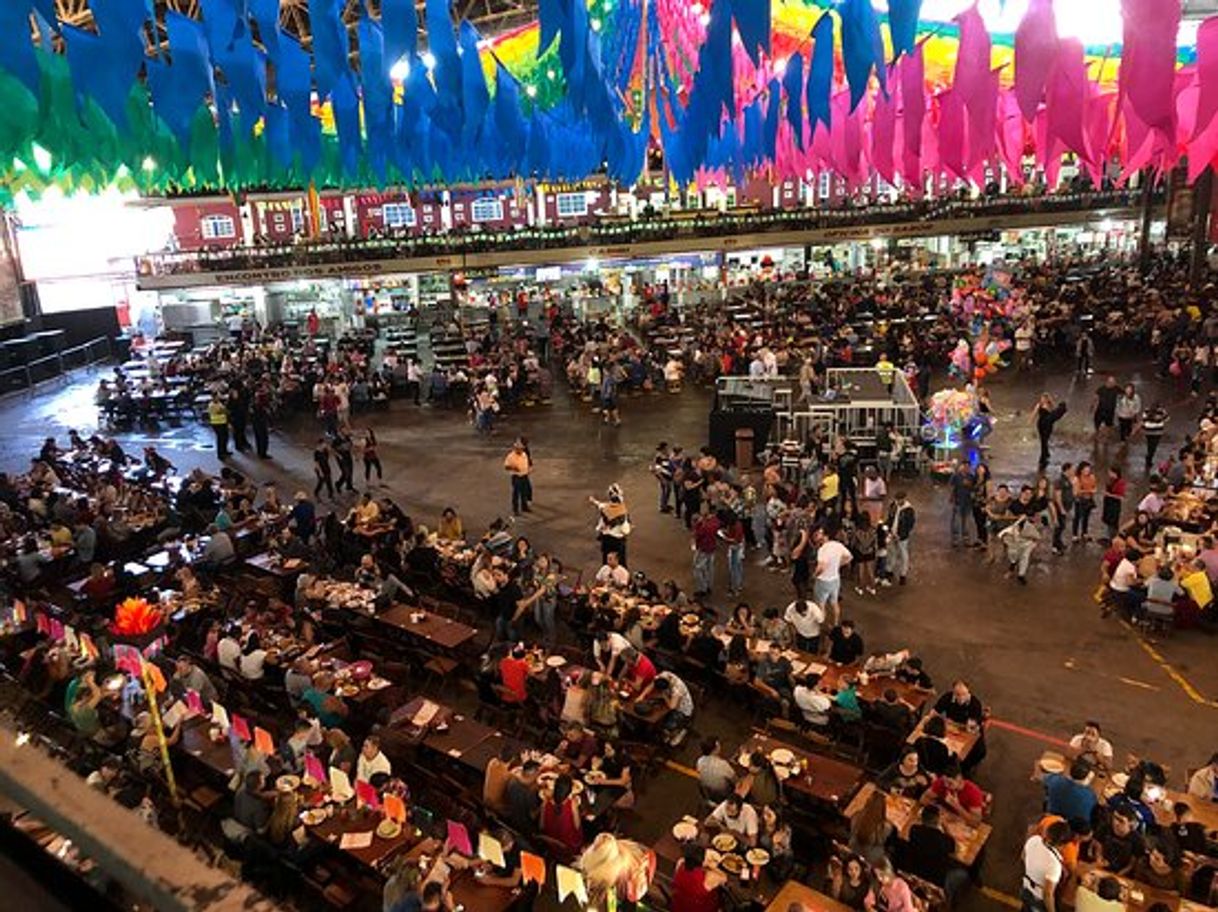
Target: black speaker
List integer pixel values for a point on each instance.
(31, 308)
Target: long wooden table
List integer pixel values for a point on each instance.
(822, 778)
(1137, 896)
(960, 739)
(216, 756)
(902, 813)
(333, 828)
(793, 892)
(465, 740)
(434, 628)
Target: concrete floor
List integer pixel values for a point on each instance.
(1039, 656)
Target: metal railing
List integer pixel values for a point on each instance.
(49, 367)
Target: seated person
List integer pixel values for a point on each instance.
(736, 816)
(1188, 834)
(716, 776)
(639, 671)
(845, 645)
(680, 703)
(607, 649)
(957, 794)
(1159, 866)
(612, 573)
(1090, 745)
(561, 818)
(578, 745)
(932, 746)
(372, 761)
(812, 703)
(930, 853)
(514, 675)
(1070, 796)
(1204, 782)
(1119, 841)
(905, 777)
(892, 713)
(773, 674)
(695, 887)
(1103, 896)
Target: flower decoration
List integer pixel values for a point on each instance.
(135, 617)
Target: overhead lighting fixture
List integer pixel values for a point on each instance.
(149, 163)
(531, 91)
(400, 70)
(596, 25)
(704, 18)
(429, 60)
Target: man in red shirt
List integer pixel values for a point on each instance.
(956, 793)
(706, 540)
(640, 670)
(514, 673)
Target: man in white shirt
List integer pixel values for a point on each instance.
(607, 649)
(811, 702)
(736, 816)
(1151, 504)
(1091, 746)
(831, 556)
(1042, 867)
(805, 618)
(228, 652)
(371, 761)
(612, 573)
(1124, 584)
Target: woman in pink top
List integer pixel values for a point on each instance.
(894, 893)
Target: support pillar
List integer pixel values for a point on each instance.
(1202, 191)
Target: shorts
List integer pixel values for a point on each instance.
(826, 592)
(609, 404)
(1105, 419)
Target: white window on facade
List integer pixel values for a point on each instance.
(823, 181)
(487, 209)
(398, 215)
(215, 227)
(297, 220)
(572, 205)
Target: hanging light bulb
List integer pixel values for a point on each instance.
(400, 70)
(429, 60)
(531, 91)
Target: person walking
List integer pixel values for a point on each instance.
(238, 415)
(1154, 423)
(1104, 405)
(260, 420)
(1045, 416)
(612, 523)
(1114, 500)
(217, 417)
(1084, 353)
(960, 487)
(518, 465)
(610, 377)
(321, 469)
(1063, 505)
(705, 543)
(1085, 486)
(901, 520)
(731, 530)
(1128, 410)
(345, 461)
(372, 458)
(661, 468)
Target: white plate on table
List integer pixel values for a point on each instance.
(782, 757)
(685, 832)
(555, 661)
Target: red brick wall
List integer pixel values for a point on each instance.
(187, 227)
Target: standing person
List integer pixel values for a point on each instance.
(1154, 422)
(1084, 352)
(345, 460)
(238, 415)
(1104, 405)
(1085, 486)
(609, 381)
(831, 556)
(1114, 500)
(901, 520)
(321, 468)
(1045, 416)
(414, 380)
(1042, 868)
(1019, 540)
(960, 487)
(516, 464)
(864, 544)
(981, 501)
(372, 458)
(731, 530)
(1024, 334)
(217, 417)
(1063, 505)
(1128, 410)
(705, 543)
(260, 419)
(661, 468)
(612, 523)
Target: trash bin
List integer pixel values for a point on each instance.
(744, 448)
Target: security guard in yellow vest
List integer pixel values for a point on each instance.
(217, 417)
